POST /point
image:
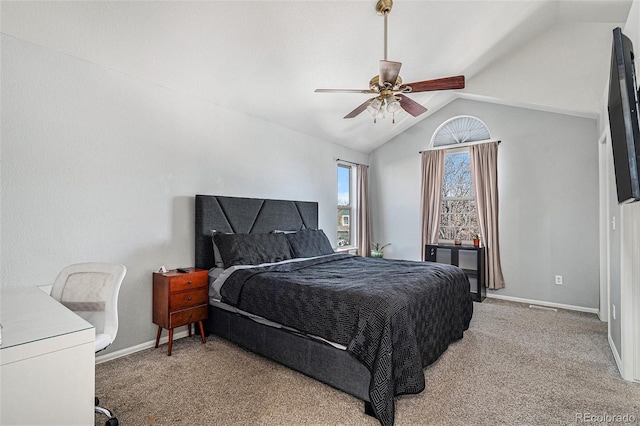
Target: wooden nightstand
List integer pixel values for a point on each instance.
(180, 299)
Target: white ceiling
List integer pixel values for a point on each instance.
(265, 58)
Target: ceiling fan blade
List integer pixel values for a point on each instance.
(344, 91)
(411, 106)
(446, 83)
(360, 108)
(389, 71)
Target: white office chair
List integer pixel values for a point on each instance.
(91, 291)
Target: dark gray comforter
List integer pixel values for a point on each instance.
(394, 316)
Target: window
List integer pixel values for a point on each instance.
(458, 215)
(346, 206)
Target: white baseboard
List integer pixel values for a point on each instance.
(542, 303)
(616, 356)
(137, 348)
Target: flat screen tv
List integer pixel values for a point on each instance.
(624, 119)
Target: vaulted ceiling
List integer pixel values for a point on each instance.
(265, 58)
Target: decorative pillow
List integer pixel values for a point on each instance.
(309, 243)
(252, 249)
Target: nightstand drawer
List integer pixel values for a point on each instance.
(176, 319)
(187, 299)
(187, 282)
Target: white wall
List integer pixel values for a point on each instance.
(100, 166)
(548, 189)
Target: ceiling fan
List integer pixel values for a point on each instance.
(388, 86)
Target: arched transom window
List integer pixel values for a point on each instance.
(460, 129)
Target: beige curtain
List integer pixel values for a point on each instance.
(484, 175)
(430, 200)
(362, 224)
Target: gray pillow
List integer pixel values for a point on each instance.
(309, 243)
(251, 249)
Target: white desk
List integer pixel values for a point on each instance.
(47, 361)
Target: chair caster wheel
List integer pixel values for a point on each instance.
(112, 422)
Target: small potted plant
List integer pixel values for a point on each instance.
(476, 240)
(377, 249)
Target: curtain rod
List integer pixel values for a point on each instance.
(351, 162)
(460, 145)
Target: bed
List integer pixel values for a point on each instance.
(365, 326)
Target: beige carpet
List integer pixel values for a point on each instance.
(514, 366)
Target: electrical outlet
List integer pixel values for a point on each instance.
(613, 311)
(559, 279)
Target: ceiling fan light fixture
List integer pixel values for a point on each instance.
(375, 107)
(380, 105)
(393, 104)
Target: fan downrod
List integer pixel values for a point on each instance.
(384, 6)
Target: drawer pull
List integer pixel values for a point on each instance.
(190, 315)
(189, 282)
(189, 298)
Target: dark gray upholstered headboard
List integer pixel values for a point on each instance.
(247, 215)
